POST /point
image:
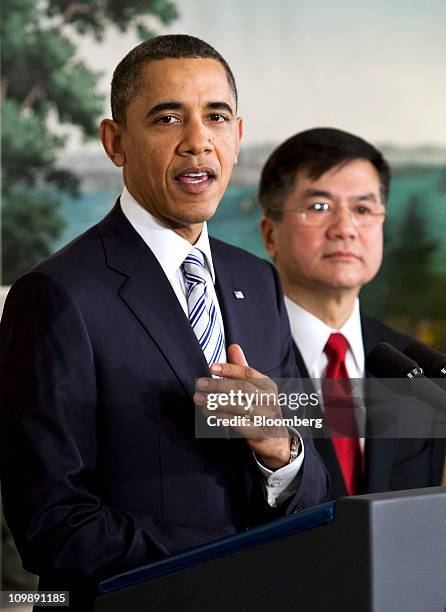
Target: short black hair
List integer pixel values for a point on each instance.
(126, 79)
(316, 151)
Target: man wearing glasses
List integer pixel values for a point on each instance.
(323, 193)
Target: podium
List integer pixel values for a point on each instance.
(383, 552)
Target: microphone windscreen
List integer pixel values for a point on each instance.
(384, 361)
(431, 360)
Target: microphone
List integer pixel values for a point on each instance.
(386, 362)
(431, 360)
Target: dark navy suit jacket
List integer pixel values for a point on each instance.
(100, 468)
(390, 464)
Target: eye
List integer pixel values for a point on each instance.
(167, 119)
(362, 210)
(318, 207)
(217, 118)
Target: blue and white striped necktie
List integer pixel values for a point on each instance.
(202, 312)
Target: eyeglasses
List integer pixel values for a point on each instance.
(320, 214)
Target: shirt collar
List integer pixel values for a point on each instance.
(169, 248)
(352, 330)
(311, 334)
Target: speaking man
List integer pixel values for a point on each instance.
(323, 193)
(102, 344)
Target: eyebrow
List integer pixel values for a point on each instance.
(220, 106)
(318, 193)
(158, 108)
(366, 197)
(174, 105)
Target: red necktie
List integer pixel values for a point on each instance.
(340, 412)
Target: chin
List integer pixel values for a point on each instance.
(336, 283)
(194, 217)
(201, 213)
(346, 285)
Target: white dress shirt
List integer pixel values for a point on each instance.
(170, 250)
(311, 334)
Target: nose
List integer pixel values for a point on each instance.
(343, 225)
(196, 138)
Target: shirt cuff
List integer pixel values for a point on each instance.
(284, 482)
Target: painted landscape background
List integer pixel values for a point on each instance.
(374, 69)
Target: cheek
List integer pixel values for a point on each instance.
(374, 251)
(299, 248)
(227, 150)
(136, 158)
(151, 151)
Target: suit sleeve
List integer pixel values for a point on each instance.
(49, 451)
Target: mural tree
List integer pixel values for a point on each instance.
(44, 86)
(412, 292)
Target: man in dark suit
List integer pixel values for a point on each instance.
(323, 194)
(102, 343)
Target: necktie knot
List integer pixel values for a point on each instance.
(336, 347)
(194, 268)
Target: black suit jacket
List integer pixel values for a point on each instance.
(390, 464)
(100, 468)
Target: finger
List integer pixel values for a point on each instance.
(237, 366)
(252, 390)
(236, 388)
(245, 426)
(236, 355)
(268, 411)
(232, 370)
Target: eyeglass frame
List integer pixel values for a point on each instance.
(336, 210)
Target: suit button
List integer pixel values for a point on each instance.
(300, 506)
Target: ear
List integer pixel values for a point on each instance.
(239, 137)
(110, 133)
(268, 231)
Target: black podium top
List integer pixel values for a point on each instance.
(280, 528)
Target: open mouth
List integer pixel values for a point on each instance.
(195, 179)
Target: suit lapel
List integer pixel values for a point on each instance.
(238, 317)
(300, 362)
(149, 295)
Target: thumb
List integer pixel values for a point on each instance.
(235, 355)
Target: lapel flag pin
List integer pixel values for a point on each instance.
(239, 295)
